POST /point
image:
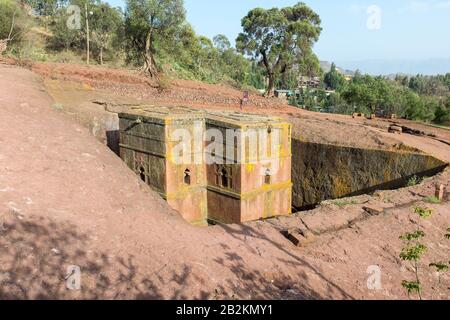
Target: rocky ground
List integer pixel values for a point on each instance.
(66, 199)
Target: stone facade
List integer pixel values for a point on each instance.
(323, 172)
(238, 185)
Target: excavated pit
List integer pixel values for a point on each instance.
(325, 172)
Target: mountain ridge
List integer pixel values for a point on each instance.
(388, 67)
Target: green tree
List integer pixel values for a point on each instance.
(47, 10)
(87, 8)
(206, 59)
(414, 250)
(361, 95)
(447, 80)
(63, 37)
(149, 22)
(107, 23)
(46, 7)
(256, 76)
(309, 64)
(402, 79)
(333, 79)
(13, 24)
(276, 37)
(417, 84)
(413, 106)
(442, 112)
(222, 43)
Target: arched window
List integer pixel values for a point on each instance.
(224, 177)
(142, 174)
(187, 177)
(141, 167)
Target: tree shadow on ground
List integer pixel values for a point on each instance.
(35, 254)
(283, 286)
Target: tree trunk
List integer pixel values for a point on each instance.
(101, 55)
(87, 35)
(3, 46)
(4, 42)
(270, 92)
(270, 74)
(149, 60)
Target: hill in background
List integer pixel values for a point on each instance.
(395, 66)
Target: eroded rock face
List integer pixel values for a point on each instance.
(321, 172)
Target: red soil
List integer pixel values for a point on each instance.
(119, 85)
(65, 199)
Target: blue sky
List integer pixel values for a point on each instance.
(408, 29)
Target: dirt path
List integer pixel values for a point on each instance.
(65, 199)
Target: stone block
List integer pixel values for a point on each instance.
(234, 192)
(299, 238)
(373, 210)
(440, 192)
(395, 129)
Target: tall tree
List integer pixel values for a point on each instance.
(333, 79)
(221, 42)
(309, 64)
(276, 37)
(86, 11)
(149, 21)
(63, 37)
(13, 23)
(45, 7)
(106, 23)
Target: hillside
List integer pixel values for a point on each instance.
(326, 67)
(66, 199)
(74, 85)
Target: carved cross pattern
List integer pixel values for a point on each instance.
(141, 167)
(224, 177)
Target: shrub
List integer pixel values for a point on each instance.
(413, 181)
(164, 82)
(432, 200)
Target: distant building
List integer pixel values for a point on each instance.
(283, 94)
(348, 77)
(307, 82)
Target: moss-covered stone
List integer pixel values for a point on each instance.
(321, 172)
